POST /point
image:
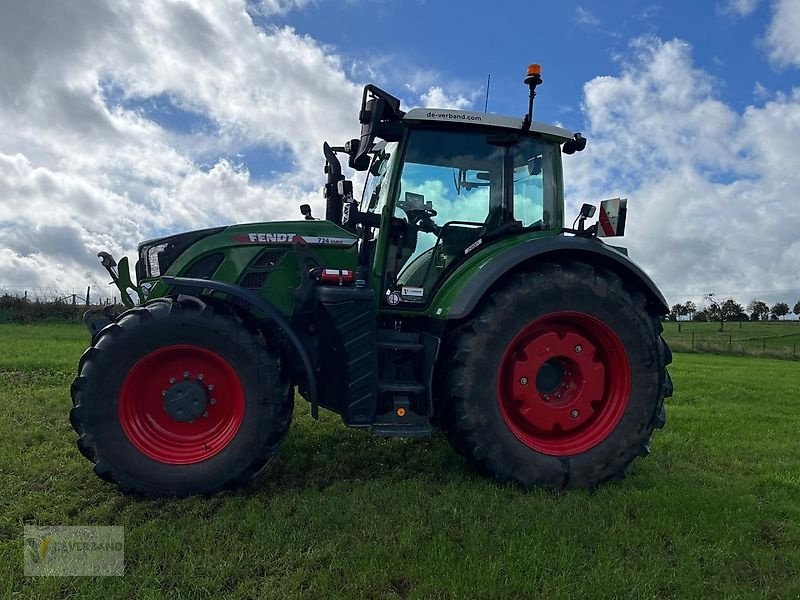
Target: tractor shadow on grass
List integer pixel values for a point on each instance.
(324, 453)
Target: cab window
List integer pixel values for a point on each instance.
(456, 191)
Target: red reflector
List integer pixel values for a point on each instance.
(337, 276)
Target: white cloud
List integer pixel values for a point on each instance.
(436, 97)
(708, 186)
(80, 164)
(743, 8)
(782, 38)
(584, 17)
(279, 7)
(83, 169)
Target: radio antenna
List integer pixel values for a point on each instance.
(486, 103)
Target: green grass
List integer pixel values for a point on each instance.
(713, 512)
(778, 339)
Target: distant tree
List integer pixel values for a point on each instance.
(796, 309)
(732, 310)
(701, 315)
(675, 312)
(690, 309)
(726, 310)
(781, 309)
(759, 311)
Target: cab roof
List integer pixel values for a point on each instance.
(444, 115)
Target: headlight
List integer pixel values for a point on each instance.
(153, 267)
(156, 256)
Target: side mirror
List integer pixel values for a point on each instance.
(380, 116)
(358, 160)
(577, 144)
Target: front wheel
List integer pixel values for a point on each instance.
(558, 380)
(175, 398)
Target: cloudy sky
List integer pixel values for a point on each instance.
(122, 121)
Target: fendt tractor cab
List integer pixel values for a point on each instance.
(450, 293)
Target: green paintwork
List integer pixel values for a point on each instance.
(238, 254)
(449, 291)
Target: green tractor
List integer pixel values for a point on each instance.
(450, 295)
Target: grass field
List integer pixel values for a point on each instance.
(713, 512)
(778, 339)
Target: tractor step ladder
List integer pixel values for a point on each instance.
(399, 390)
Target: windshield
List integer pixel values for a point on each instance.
(375, 194)
(468, 176)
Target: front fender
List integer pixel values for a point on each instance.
(589, 250)
(270, 312)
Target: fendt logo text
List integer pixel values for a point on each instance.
(271, 238)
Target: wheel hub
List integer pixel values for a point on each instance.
(582, 383)
(550, 376)
(181, 404)
(185, 401)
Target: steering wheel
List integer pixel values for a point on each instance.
(421, 217)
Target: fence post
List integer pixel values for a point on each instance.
(693, 340)
(88, 289)
(74, 300)
(730, 343)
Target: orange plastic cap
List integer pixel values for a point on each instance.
(534, 69)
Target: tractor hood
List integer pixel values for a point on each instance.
(158, 256)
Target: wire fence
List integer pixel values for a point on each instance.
(778, 346)
(40, 304)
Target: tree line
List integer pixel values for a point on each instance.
(730, 310)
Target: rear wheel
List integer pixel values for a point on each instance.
(175, 399)
(558, 380)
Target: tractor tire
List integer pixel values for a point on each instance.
(558, 379)
(175, 398)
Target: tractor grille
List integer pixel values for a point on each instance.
(205, 267)
(268, 259)
(255, 280)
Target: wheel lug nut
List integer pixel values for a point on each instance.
(211, 388)
(212, 401)
(574, 414)
(186, 374)
(164, 393)
(205, 414)
(201, 377)
(523, 381)
(578, 349)
(172, 380)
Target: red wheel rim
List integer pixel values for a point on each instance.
(564, 383)
(154, 431)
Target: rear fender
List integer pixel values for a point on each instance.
(589, 250)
